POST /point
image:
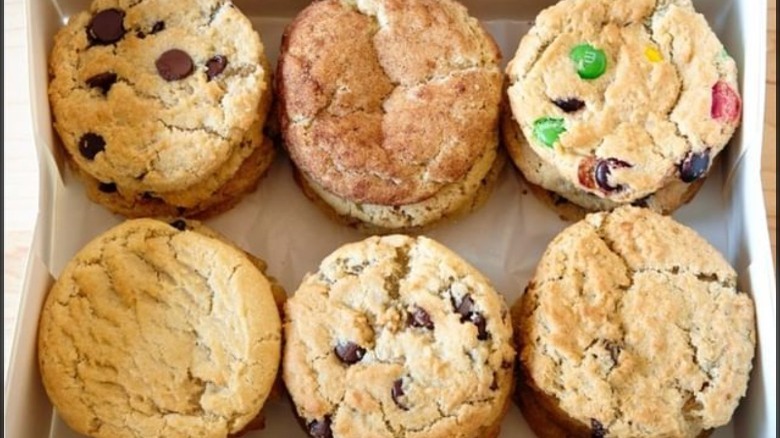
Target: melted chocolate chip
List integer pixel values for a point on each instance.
(157, 27)
(107, 187)
(148, 196)
(604, 169)
(597, 429)
(215, 66)
(104, 81)
(420, 318)
(643, 203)
(91, 145)
(349, 352)
(569, 105)
(397, 392)
(174, 65)
(478, 320)
(465, 308)
(106, 27)
(694, 166)
(494, 384)
(179, 224)
(321, 428)
(467, 314)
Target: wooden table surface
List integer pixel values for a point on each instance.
(21, 173)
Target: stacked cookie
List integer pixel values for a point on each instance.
(161, 105)
(615, 104)
(157, 329)
(632, 325)
(389, 110)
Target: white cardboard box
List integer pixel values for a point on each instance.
(504, 239)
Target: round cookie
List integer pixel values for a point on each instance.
(388, 102)
(155, 96)
(154, 329)
(632, 325)
(624, 98)
(566, 199)
(415, 342)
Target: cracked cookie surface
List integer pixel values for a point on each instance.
(632, 326)
(398, 337)
(157, 329)
(568, 200)
(388, 101)
(624, 97)
(154, 95)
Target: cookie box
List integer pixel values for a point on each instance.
(504, 239)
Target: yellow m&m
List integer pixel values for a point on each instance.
(653, 55)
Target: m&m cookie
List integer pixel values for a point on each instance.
(623, 98)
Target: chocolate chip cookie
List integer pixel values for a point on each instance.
(624, 97)
(158, 97)
(159, 329)
(387, 104)
(397, 336)
(632, 325)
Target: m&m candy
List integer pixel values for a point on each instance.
(589, 61)
(548, 129)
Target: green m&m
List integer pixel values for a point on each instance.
(548, 130)
(590, 61)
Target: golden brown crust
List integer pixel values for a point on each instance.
(377, 116)
(244, 181)
(451, 203)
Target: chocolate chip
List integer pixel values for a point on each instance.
(597, 429)
(107, 187)
(106, 27)
(465, 308)
(174, 65)
(104, 81)
(643, 203)
(420, 318)
(467, 314)
(397, 392)
(694, 166)
(569, 105)
(157, 27)
(148, 196)
(603, 171)
(215, 66)
(494, 384)
(321, 428)
(478, 320)
(585, 172)
(179, 224)
(349, 352)
(91, 145)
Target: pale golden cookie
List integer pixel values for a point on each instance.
(156, 330)
(632, 325)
